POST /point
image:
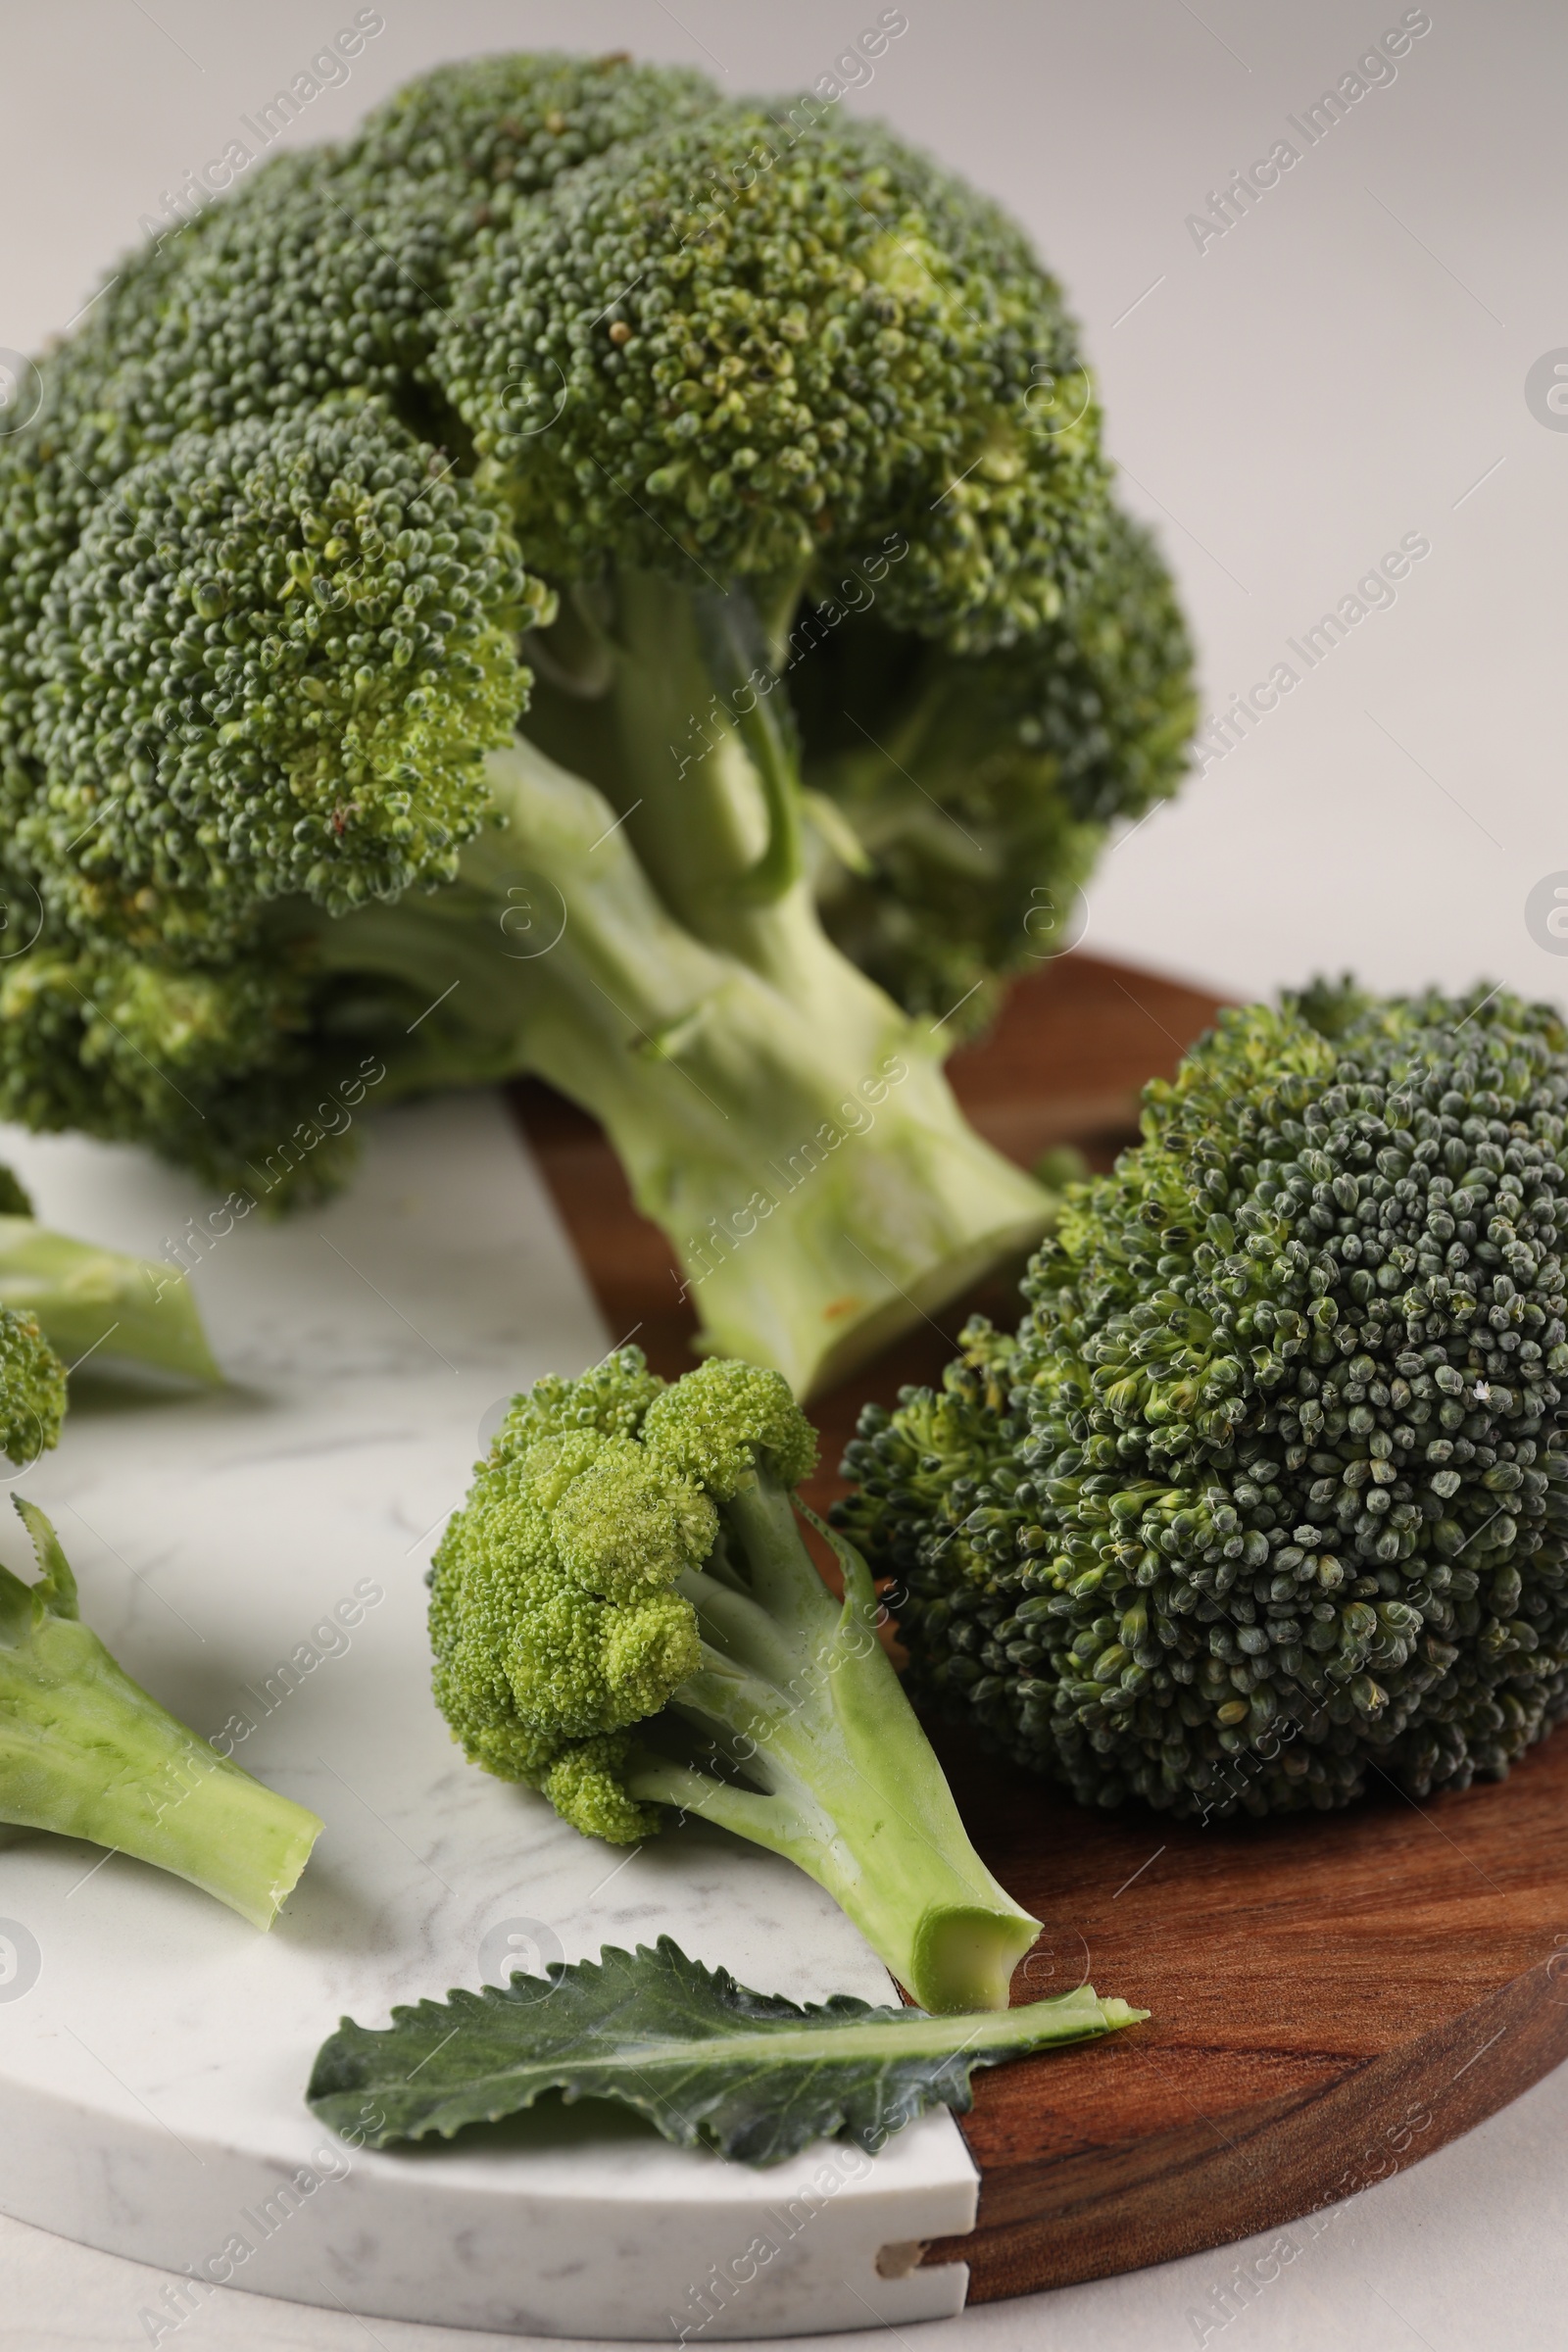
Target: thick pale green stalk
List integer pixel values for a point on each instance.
(85, 1752)
(95, 1302)
(802, 1150)
(798, 1694)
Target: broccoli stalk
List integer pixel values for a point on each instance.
(624, 1615)
(85, 1298)
(788, 1127)
(796, 1691)
(86, 1753)
(95, 1302)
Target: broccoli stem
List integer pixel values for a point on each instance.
(92, 1301)
(85, 1752)
(798, 1145)
(797, 1693)
(687, 738)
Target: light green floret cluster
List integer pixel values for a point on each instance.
(554, 1614)
(33, 1389)
(624, 1615)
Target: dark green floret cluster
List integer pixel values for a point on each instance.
(271, 665)
(625, 1616)
(1268, 1496)
(400, 589)
(781, 346)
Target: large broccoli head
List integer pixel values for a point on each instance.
(268, 670)
(269, 793)
(1271, 1493)
(554, 1614)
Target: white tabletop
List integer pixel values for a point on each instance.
(1468, 2253)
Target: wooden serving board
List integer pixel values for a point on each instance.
(1332, 1997)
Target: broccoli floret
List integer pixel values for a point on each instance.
(85, 1751)
(624, 1616)
(788, 348)
(1268, 1496)
(395, 587)
(270, 666)
(33, 1389)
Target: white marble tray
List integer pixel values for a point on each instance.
(153, 2048)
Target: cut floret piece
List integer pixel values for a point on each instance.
(33, 1389)
(86, 1753)
(624, 1615)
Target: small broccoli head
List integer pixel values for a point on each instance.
(758, 342)
(33, 1389)
(1275, 1496)
(726, 1419)
(271, 665)
(555, 1613)
(553, 1616)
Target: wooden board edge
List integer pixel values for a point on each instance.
(1279, 2166)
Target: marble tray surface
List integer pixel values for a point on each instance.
(153, 2063)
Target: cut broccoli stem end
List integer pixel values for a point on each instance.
(803, 1155)
(85, 1752)
(95, 1302)
(925, 1901)
(846, 1783)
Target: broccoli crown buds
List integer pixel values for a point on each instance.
(553, 1611)
(1270, 1490)
(33, 1389)
(272, 664)
(781, 346)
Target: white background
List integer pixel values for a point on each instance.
(1346, 365)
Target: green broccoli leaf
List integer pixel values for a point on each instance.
(712, 2064)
